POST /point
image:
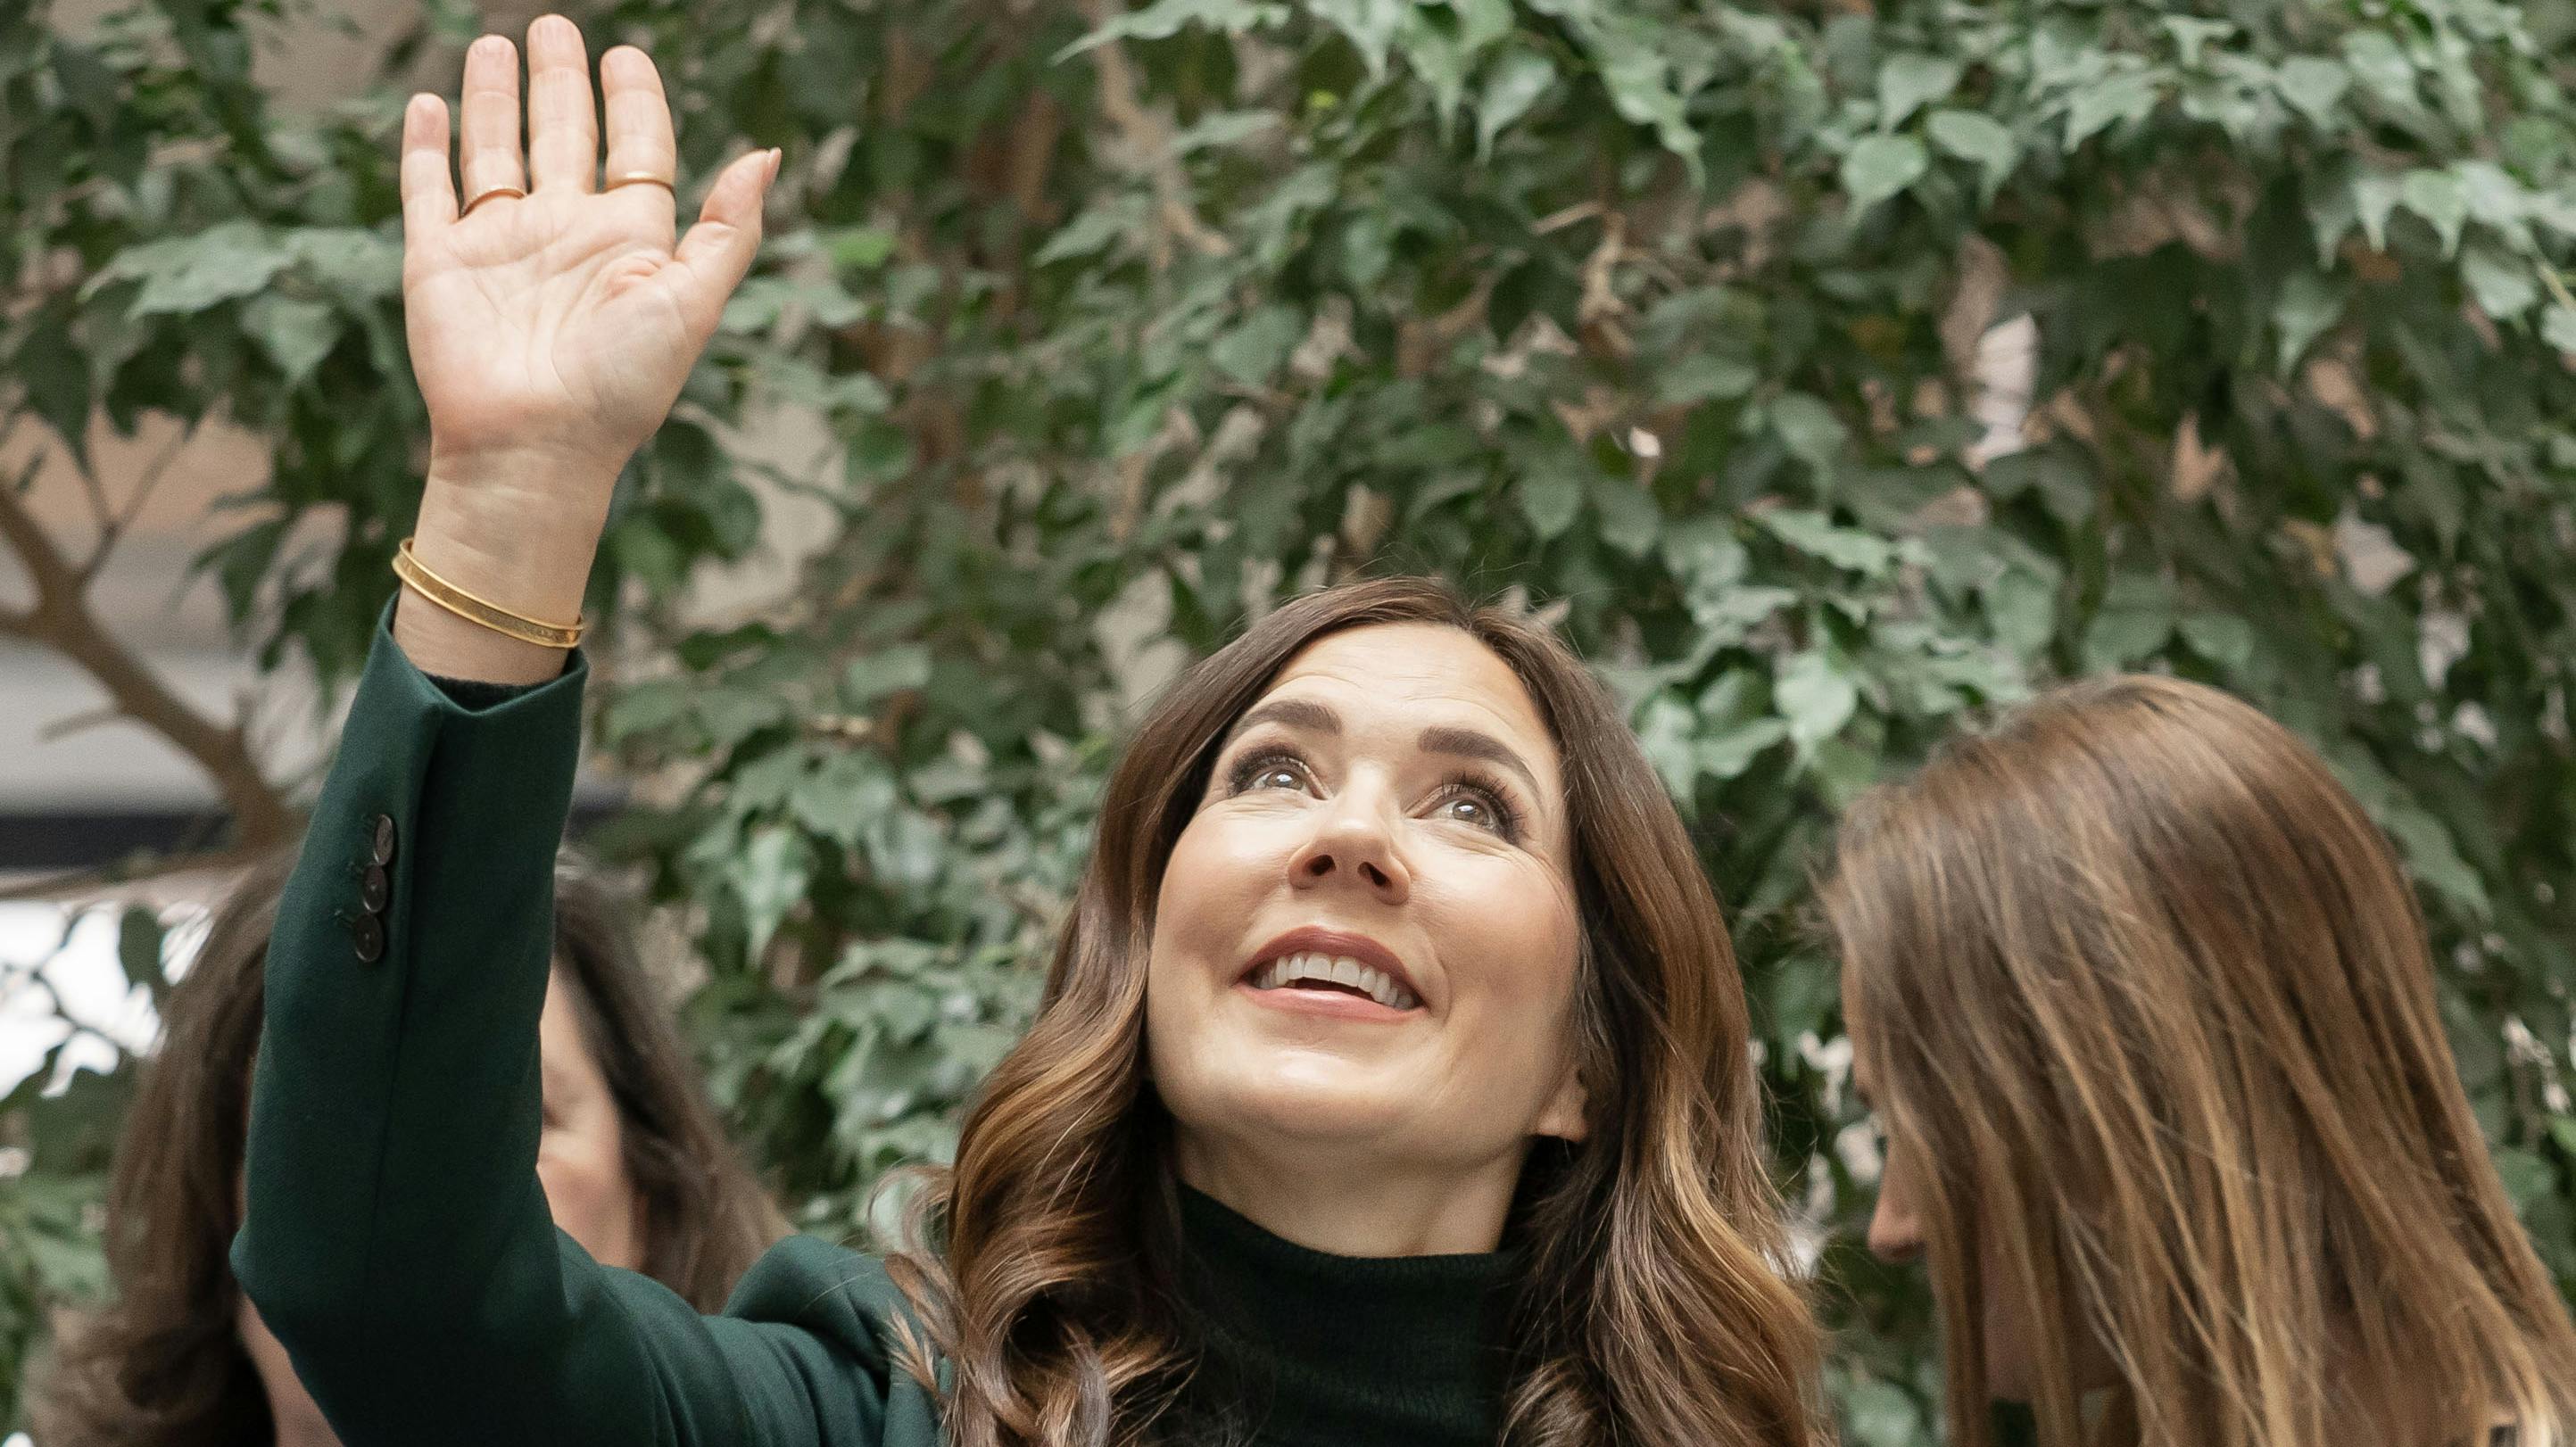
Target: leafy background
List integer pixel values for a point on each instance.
(1830, 372)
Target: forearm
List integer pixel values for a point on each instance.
(390, 1175)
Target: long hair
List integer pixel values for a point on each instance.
(2150, 998)
(162, 1363)
(1650, 1311)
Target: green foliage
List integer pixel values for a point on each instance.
(1662, 316)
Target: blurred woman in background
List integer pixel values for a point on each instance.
(2144, 1003)
(633, 1162)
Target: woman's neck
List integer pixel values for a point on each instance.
(305, 1429)
(1326, 1201)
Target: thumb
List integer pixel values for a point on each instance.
(715, 253)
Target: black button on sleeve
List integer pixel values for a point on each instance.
(367, 933)
(380, 840)
(375, 888)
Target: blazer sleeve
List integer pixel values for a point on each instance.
(395, 1237)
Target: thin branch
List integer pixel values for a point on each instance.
(61, 619)
(111, 530)
(63, 728)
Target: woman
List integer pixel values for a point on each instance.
(1391, 1081)
(2145, 1006)
(632, 1161)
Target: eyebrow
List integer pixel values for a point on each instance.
(1463, 743)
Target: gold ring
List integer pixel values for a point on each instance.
(641, 178)
(486, 194)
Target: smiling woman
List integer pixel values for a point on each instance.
(1555, 1101)
(1391, 1084)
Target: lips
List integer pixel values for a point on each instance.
(1333, 963)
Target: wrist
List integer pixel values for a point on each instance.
(519, 532)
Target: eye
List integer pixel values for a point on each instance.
(1268, 769)
(1477, 805)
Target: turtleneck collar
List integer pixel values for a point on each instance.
(1300, 1348)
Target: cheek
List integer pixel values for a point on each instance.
(581, 1163)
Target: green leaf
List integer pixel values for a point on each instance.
(1550, 497)
(2135, 619)
(2374, 200)
(188, 274)
(1810, 430)
(2382, 68)
(2307, 306)
(2313, 86)
(1881, 166)
(139, 941)
(1088, 233)
(1704, 377)
(872, 679)
(1371, 26)
(2558, 327)
(2023, 611)
(859, 248)
(2437, 197)
(1815, 534)
(2127, 98)
(1727, 755)
(770, 877)
(2222, 638)
(2503, 285)
(296, 334)
(1815, 696)
(2192, 35)
(1629, 519)
(1166, 18)
(1254, 351)
(1513, 83)
(1979, 140)
(1908, 80)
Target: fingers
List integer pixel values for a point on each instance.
(491, 128)
(563, 134)
(717, 251)
(639, 118)
(428, 197)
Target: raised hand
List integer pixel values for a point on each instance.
(552, 317)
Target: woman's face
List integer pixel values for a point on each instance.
(581, 1162)
(1364, 946)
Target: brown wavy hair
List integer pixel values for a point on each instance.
(2149, 999)
(162, 1364)
(1650, 1311)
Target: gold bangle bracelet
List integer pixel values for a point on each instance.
(477, 610)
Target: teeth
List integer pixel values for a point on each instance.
(1338, 970)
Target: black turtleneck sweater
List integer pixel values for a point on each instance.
(1304, 1349)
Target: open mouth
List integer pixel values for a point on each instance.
(1338, 974)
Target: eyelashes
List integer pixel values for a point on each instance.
(1282, 767)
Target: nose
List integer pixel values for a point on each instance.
(1895, 1236)
(1352, 846)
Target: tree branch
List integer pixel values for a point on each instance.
(60, 618)
(112, 529)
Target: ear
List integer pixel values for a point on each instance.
(1567, 1115)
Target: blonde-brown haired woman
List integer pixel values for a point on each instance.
(2144, 1004)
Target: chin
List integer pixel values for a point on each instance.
(1284, 1093)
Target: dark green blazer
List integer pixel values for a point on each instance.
(396, 1239)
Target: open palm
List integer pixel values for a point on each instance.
(555, 317)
